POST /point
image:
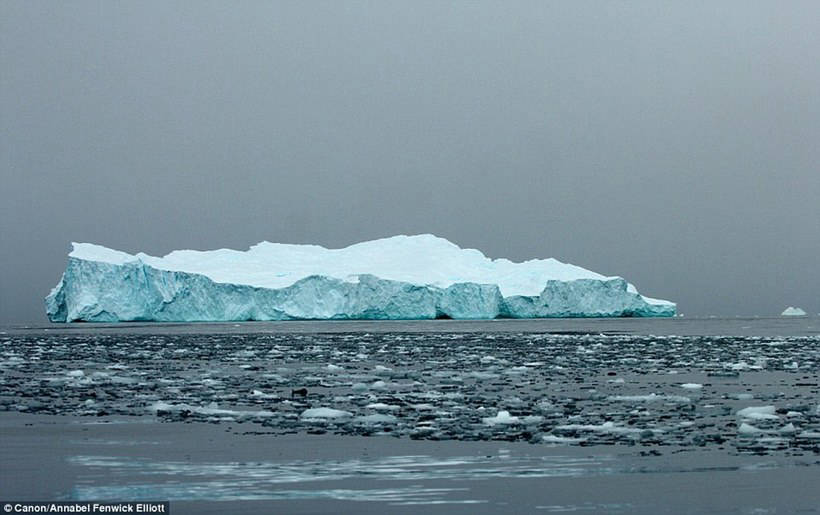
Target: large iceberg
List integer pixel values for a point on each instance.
(403, 277)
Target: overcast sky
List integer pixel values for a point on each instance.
(676, 144)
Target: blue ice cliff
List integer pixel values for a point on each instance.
(403, 277)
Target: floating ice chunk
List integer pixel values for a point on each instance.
(13, 360)
(771, 440)
(359, 387)
(692, 386)
(379, 385)
(483, 375)
(649, 398)
(319, 413)
(75, 373)
(503, 417)
(379, 418)
(788, 428)
(742, 366)
(513, 402)
(793, 312)
(748, 429)
(814, 435)
(561, 439)
(606, 427)
(262, 395)
(758, 413)
(333, 368)
(380, 406)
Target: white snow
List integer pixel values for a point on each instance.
(421, 259)
(793, 312)
(92, 252)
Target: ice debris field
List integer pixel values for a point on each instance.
(402, 277)
(755, 395)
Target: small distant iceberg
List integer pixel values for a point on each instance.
(793, 312)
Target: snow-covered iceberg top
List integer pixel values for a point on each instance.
(420, 276)
(423, 259)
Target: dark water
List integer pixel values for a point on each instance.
(448, 409)
(712, 326)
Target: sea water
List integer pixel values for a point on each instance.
(454, 414)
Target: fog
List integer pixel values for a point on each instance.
(674, 144)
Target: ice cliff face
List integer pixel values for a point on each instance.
(403, 277)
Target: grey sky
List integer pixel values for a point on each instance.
(676, 144)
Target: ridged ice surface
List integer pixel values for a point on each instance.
(403, 277)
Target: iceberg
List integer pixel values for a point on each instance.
(793, 312)
(402, 277)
